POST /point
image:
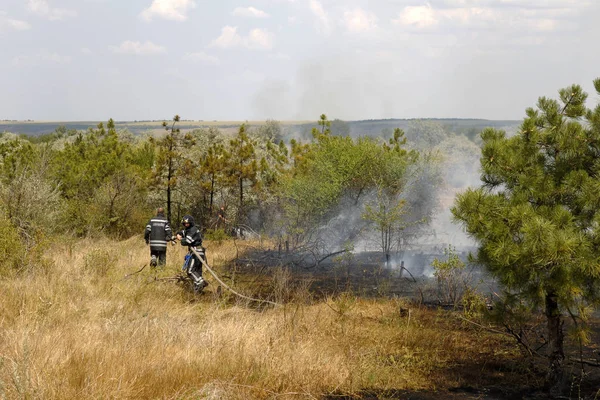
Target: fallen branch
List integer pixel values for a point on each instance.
(481, 326)
(586, 362)
(411, 275)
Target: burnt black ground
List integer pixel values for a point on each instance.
(366, 275)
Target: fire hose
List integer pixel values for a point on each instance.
(225, 285)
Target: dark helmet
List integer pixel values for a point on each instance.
(188, 219)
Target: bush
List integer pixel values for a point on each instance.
(217, 235)
(12, 250)
(453, 279)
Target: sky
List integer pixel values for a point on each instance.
(90, 60)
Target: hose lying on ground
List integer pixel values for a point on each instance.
(225, 285)
(136, 272)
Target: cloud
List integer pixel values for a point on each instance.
(514, 15)
(175, 10)
(229, 38)
(323, 23)
(12, 24)
(42, 8)
(359, 20)
(546, 3)
(257, 39)
(202, 58)
(138, 48)
(249, 12)
(43, 57)
(419, 16)
(86, 51)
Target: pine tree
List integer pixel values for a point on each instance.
(535, 216)
(169, 160)
(243, 166)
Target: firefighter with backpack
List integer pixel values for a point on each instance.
(191, 237)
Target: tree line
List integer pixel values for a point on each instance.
(317, 195)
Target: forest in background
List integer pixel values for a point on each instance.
(107, 180)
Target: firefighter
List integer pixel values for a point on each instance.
(157, 235)
(191, 237)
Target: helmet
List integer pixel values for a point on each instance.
(187, 219)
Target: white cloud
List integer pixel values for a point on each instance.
(419, 16)
(43, 57)
(249, 12)
(42, 8)
(202, 58)
(260, 39)
(528, 16)
(546, 3)
(138, 48)
(229, 38)
(86, 51)
(12, 24)
(175, 10)
(257, 39)
(359, 20)
(323, 23)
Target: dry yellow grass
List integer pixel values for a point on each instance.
(76, 329)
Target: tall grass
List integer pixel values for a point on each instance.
(79, 329)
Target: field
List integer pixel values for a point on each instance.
(77, 327)
(294, 128)
(36, 128)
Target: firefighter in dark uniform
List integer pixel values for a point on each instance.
(157, 235)
(191, 237)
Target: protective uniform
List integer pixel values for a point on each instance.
(157, 235)
(192, 238)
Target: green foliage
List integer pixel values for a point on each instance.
(12, 249)
(333, 168)
(535, 217)
(216, 235)
(271, 132)
(425, 134)
(339, 128)
(537, 228)
(27, 196)
(452, 277)
(101, 177)
(170, 162)
(16, 155)
(474, 304)
(243, 166)
(387, 214)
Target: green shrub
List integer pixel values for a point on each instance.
(217, 235)
(12, 249)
